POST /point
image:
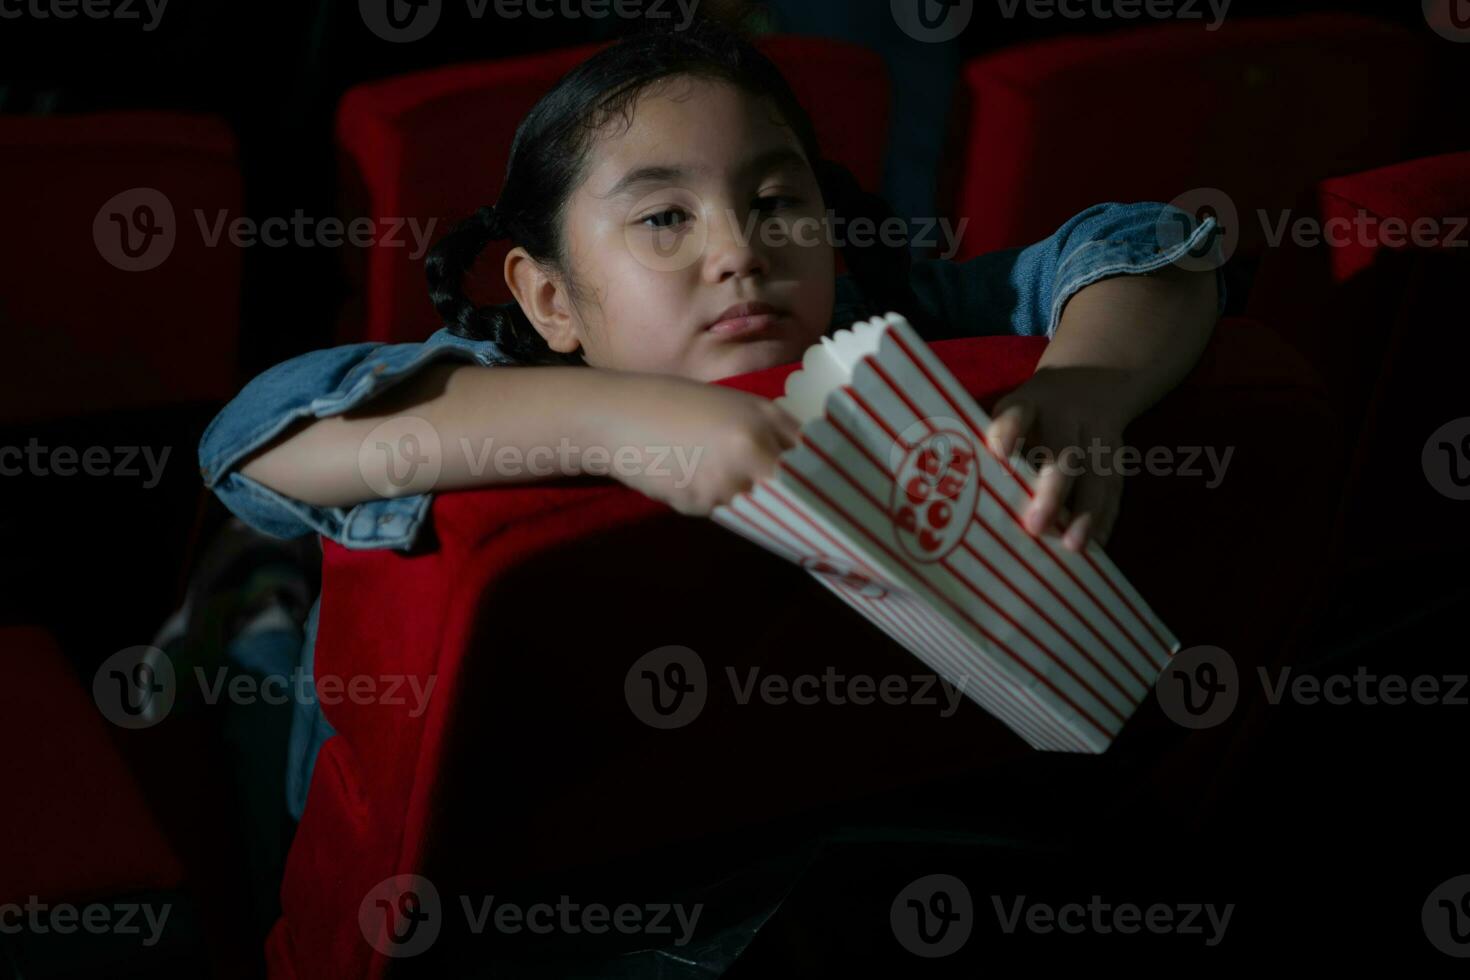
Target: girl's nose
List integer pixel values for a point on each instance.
(733, 248)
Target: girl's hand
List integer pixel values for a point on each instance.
(719, 441)
(1071, 414)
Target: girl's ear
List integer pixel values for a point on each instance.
(544, 300)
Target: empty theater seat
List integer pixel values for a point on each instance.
(1257, 109)
(120, 316)
(433, 146)
(75, 827)
(122, 293)
(1375, 303)
(528, 757)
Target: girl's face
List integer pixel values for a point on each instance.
(704, 202)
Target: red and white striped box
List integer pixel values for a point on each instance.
(894, 501)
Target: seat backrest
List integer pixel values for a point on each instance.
(1336, 282)
(1256, 111)
(1373, 298)
(433, 146)
(118, 285)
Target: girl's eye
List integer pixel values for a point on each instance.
(655, 218)
(780, 202)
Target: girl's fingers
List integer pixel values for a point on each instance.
(1109, 515)
(788, 430)
(1075, 537)
(1012, 421)
(1051, 489)
(1090, 503)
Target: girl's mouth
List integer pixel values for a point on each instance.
(746, 326)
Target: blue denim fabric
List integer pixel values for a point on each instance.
(1019, 291)
(309, 726)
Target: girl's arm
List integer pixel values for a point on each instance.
(1121, 344)
(455, 425)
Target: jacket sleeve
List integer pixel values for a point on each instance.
(320, 384)
(1022, 290)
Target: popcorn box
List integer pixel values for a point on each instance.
(893, 499)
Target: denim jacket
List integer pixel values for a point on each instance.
(1018, 291)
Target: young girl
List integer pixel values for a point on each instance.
(656, 201)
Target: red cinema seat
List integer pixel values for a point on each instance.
(1375, 301)
(122, 289)
(120, 315)
(433, 146)
(528, 606)
(1258, 110)
(75, 824)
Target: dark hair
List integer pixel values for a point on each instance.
(549, 152)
